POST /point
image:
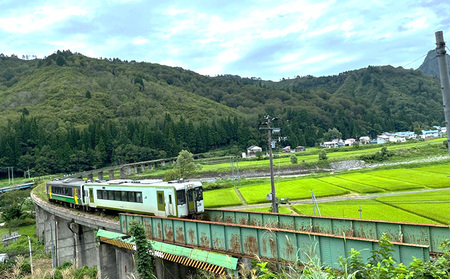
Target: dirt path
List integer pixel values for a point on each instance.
(238, 193)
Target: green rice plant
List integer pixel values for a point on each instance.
(351, 185)
(432, 205)
(371, 209)
(416, 176)
(440, 168)
(293, 189)
(385, 183)
(221, 197)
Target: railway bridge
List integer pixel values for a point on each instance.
(223, 239)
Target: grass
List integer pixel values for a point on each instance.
(383, 183)
(221, 197)
(350, 185)
(371, 209)
(433, 205)
(293, 189)
(416, 176)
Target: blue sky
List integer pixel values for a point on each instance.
(267, 39)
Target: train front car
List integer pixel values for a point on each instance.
(190, 199)
(68, 191)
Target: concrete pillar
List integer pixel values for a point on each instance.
(142, 168)
(124, 262)
(100, 175)
(163, 163)
(135, 169)
(88, 248)
(108, 265)
(64, 244)
(111, 174)
(90, 176)
(122, 173)
(150, 166)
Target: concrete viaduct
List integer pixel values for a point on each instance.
(71, 235)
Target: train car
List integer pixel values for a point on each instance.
(67, 191)
(167, 199)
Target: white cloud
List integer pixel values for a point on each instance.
(139, 41)
(41, 18)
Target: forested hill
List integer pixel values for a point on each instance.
(83, 112)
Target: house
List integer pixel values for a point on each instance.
(349, 142)
(252, 150)
(329, 144)
(430, 134)
(382, 139)
(287, 149)
(300, 148)
(407, 135)
(364, 140)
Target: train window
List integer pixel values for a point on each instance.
(181, 197)
(139, 197)
(110, 195)
(199, 192)
(99, 194)
(124, 196)
(117, 195)
(132, 197)
(160, 198)
(170, 199)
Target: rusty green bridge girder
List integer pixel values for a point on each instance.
(423, 234)
(265, 242)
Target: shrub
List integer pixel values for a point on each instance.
(294, 159)
(323, 155)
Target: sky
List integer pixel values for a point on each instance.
(264, 39)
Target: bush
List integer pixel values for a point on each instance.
(294, 159)
(323, 155)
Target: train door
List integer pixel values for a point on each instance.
(171, 209)
(161, 201)
(192, 205)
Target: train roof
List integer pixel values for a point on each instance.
(145, 183)
(67, 182)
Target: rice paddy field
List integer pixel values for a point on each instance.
(294, 189)
(370, 209)
(426, 207)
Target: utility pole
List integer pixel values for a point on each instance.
(445, 85)
(269, 138)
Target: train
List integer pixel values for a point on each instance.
(153, 197)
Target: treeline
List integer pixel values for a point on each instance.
(24, 145)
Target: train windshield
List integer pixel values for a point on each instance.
(181, 197)
(199, 193)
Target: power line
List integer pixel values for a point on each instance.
(415, 60)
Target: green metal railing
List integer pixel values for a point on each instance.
(264, 242)
(422, 234)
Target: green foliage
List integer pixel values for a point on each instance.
(185, 164)
(294, 159)
(144, 261)
(323, 155)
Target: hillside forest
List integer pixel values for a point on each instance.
(68, 112)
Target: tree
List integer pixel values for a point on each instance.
(294, 159)
(144, 260)
(185, 164)
(323, 155)
(332, 134)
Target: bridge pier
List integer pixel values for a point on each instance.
(123, 172)
(90, 177)
(115, 263)
(111, 175)
(135, 169)
(100, 175)
(142, 168)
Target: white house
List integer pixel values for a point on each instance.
(382, 139)
(252, 150)
(364, 140)
(330, 144)
(349, 142)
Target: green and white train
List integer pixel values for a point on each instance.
(153, 197)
